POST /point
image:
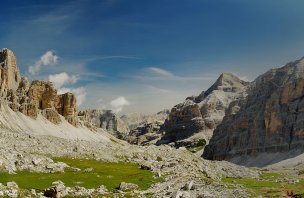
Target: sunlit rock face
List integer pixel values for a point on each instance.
(31, 99)
(198, 116)
(270, 119)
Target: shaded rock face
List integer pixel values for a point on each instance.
(113, 124)
(39, 97)
(199, 115)
(134, 128)
(135, 120)
(270, 119)
(106, 120)
(145, 134)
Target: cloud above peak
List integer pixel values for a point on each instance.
(62, 79)
(117, 104)
(48, 58)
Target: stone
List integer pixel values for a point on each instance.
(50, 192)
(12, 184)
(101, 189)
(87, 170)
(127, 186)
(13, 193)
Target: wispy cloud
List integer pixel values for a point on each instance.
(95, 58)
(159, 74)
(49, 58)
(159, 71)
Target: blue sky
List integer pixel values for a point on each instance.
(143, 56)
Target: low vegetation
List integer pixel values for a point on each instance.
(92, 174)
(270, 184)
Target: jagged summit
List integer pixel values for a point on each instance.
(197, 117)
(227, 82)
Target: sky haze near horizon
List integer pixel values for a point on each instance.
(144, 56)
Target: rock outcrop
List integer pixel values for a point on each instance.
(270, 119)
(9, 72)
(198, 116)
(39, 97)
(134, 120)
(107, 120)
(146, 134)
(134, 128)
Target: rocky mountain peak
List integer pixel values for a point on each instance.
(197, 117)
(227, 82)
(269, 119)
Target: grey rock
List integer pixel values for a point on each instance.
(197, 117)
(269, 120)
(127, 186)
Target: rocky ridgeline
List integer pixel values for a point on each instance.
(197, 117)
(35, 98)
(106, 120)
(269, 120)
(134, 128)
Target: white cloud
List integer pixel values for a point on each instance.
(62, 79)
(244, 78)
(79, 92)
(118, 104)
(49, 58)
(159, 71)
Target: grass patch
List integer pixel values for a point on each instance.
(104, 173)
(270, 184)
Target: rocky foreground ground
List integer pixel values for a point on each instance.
(184, 174)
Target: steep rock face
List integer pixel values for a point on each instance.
(107, 120)
(145, 134)
(198, 116)
(134, 120)
(270, 119)
(39, 97)
(9, 72)
(42, 94)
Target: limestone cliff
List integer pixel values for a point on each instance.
(198, 116)
(107, 120)
(39, 97)
(270, 119)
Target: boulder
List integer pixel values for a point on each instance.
(127, 186)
